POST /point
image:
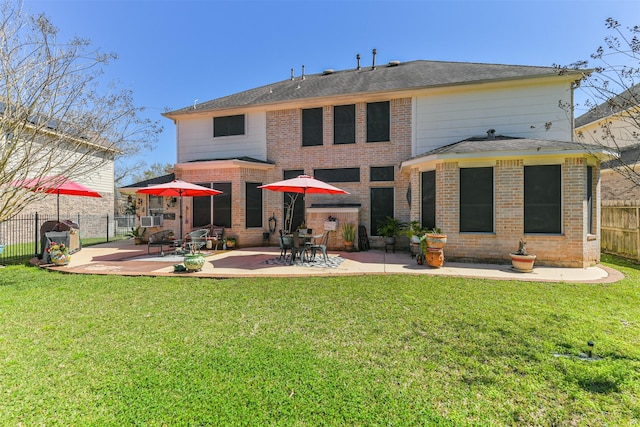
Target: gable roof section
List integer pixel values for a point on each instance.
(384, 78)
(504, 146)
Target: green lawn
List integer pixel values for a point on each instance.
(356, 351)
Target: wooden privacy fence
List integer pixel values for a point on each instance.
(620, 228)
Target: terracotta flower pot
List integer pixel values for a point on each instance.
(436, 241)
(435, 258)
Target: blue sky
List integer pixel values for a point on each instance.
(172, 52)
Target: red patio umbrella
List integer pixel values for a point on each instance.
(58, 185)
(303, 184)
(179, 188)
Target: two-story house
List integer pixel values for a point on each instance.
(482, 151)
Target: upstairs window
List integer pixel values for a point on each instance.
(378, 121)
(312, 132)
(344, 124)
(228, 125)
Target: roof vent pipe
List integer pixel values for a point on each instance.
(373, 66)
(358, 60)
(491, 134)
(303, 72)
(292, 74)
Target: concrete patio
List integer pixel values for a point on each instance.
(124, 258)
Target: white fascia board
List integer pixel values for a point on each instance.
(223, 164)
(602, 154)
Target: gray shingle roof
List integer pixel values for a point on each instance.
(153, 181)
(405, 76)
(627, 99)
(504, 144)
(243, 158)
(629, 156)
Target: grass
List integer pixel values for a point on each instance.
(357, 351)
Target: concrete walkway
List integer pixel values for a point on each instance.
(124, 258)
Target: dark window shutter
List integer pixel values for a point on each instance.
(476, 200)
(429, 199)
(378, 122)
(312, 127)
(253, 204)
(543, 199)
(344, 124)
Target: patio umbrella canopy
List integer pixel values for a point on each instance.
(303, 184)
(179, 188)
(58, 185)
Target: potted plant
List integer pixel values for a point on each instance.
(193, 261)
(521, 260)
(348, 235)
(136, 234)
(231, 242)
(390, 228)
(414, 231)
(435, 239)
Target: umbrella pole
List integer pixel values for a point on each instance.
(181, 216)
(58, 203)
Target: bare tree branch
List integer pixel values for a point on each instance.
(57, 116)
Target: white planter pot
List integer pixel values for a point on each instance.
(523, 263)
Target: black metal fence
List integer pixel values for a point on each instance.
(20, 236)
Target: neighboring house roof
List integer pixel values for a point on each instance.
(153, 181)
(57, 127)
(627, 99)
(384, 78)
(629, 156)
(490, 146)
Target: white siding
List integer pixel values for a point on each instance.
(196, 141)
(447, 117)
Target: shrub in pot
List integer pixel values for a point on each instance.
(435, 239)
(390, 228)
(348, 235)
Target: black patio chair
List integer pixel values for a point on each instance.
(286, 243)
(299, 250)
